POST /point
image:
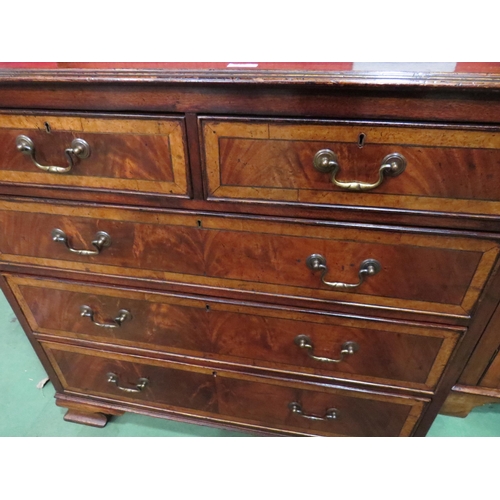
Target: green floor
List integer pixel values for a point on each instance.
(28, 411)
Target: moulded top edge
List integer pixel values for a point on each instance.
(359, 79)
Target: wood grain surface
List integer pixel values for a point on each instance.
(454, 170)
(89, 374)
(282, 95)
(193, 155)
(419, 272)
(226, 394)
(137, 155)
(405, 355)
(460, 404)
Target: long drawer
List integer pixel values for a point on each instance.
(396, 166)
(419, 272)
(227, 396)
(108, 153)
(287, 341)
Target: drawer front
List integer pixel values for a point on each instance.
(226, 396)
(357, 414)
(404, 355)
(420, 272)
(145, 155)
(447, 170)
(89, 372)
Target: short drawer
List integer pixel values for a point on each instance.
(234, 397)
(320, 344)
(438, 168)
(124, 154)
(423, 272)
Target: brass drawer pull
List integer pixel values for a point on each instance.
(79, 149)
(330, 414)
(305, 342)
(141, 383)
(101, 240)
(326, 161)
(123, 315)
(369, 267)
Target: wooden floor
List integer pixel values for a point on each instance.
(29, 411)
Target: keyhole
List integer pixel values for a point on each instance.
(47, 127)
(361, 140)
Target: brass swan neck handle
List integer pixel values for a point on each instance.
(326, 161)
(78, 149)
(369, 267)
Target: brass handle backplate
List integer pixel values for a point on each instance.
(79, 149)
(123, 314)
(304, 342)
(326, 161)
(141, 383)
(330, 414)
(101, 240)
(368, 267)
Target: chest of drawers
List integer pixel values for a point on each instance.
(288, 253)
